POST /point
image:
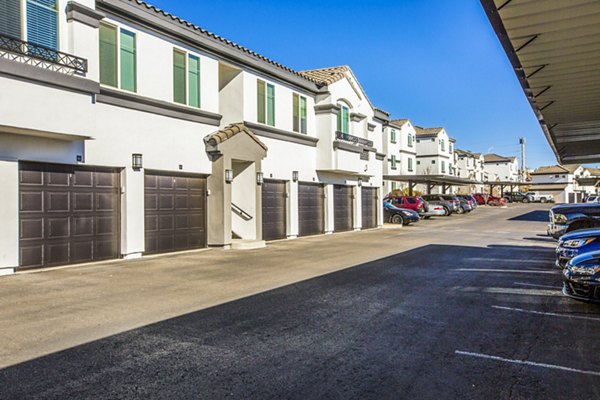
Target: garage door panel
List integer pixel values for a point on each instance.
(311, 209)
(58, 222)
(31, 201)
(104, 249)
(274, 210)
(171, 224)
(369, 207)
(343, 208)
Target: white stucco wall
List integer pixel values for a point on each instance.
(9, 216)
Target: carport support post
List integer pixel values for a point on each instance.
(502, 190)
(411, 186)
(429, 186)
(443, 188)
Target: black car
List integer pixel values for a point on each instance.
(571, 217)
(581, 277)
(517, 197)
(401, 216)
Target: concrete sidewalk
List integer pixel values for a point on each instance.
(45, 312)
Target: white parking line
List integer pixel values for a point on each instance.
(525, 362)
(536, 285)
(546, 313)
(518, 271)
(510, 260)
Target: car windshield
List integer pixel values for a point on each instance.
(411, 200)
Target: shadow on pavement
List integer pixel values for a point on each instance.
(372, 331)
(533, 216)
(541, 239)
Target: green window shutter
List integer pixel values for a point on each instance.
(345, 119)
(393, 136)
(260, 101)
(295, 112)
(339, 121)
(303, 116)
(178, 77)
(194, 81)
(270, 105)
(410, 140)
(393, 161)
(410, 164)
(42, 23)
(128, 61)
(10, 18)
(108, 55)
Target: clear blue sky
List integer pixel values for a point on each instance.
(436, 62)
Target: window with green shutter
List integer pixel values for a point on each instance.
(298, 113)
(410, 140)
(260, 101)
(42, 23)
(179, 80)
(393, 136)
(443, 167)
(410, 164)
(270, 104)
(303, 114)
(108, 55)
(194, 81)
(393, 161)
(343, 120)
(128, 61)
(10, 18)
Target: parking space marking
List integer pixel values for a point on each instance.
(536, 285)
(552, 314)
(509, 260)
(525, 362)
(528, 292)
(518, 271)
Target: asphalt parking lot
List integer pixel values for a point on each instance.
(465, 306)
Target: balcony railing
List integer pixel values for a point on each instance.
(353, 139)
(15, 49)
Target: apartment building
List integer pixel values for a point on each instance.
(501, 169)
(435, 151)
(128, 131)
(470, 166)
(400, 147)
(567, 183)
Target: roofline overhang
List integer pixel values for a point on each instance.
(494, 17)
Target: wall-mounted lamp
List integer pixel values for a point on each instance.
(136, 161)
(228, 176)
(259, 178)
(359, 182)
(295, 176)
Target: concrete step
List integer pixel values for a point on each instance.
(247, 244)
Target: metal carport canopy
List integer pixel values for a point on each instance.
(430, 181)
(554, 48)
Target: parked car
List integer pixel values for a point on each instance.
(473, 200)
(489, 199)
(450, 206)
(410, 202)
(575, 243)
(516, 197)
(566, 218)
(402, 216)
(536, 197)
(581, 277)
(592, 199)
(433, 210)
(467, 203)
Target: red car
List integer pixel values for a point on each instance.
(410, 202)
(491, 200)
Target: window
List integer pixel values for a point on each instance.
(393, 186)
(110, 58)
(299, 113)
(443, 144)
(433, 161)
(42, 22)
(450, 148)
(410, 164)
(418, 141)
(450, 167)
(418, 162)
(343, 120)
(393, 136)
(266, 103)
(410, 140)
(393, 161)
(10, 18)
(186, 78)
(443, 167)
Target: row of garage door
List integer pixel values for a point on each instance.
(311, 208)
(71, 214)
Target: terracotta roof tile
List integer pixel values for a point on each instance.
(326, 76)
(427, 131)
(555, 169)
(230, 131)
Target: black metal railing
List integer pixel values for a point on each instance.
(353, 139)
(241, 213)
(41, 56)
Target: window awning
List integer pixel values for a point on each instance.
(554, 48)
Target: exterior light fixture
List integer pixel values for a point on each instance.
(228, 176)
(295, 176)
(136, 161)
(259, 178)
(359, 182)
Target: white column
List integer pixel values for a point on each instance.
(380, 194)
(329, 228)
(357, 191)
(9, 216)
(292, 208)
(132, 213)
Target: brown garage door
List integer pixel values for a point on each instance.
(68, 214)
(369, 207)
(175, 212)
(311, 211)
(273, 210)
(343, 209)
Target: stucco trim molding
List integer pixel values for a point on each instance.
(380, 156)
(280, 134)
(357, 117)
(140, 103)
(47, 77)
(352, 147)
(371, 127)
(327, 109)
(381, 116)
(80, 13)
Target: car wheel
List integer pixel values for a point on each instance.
(525, 200)
(506, 199)
(446, 212)
(460, 210)
(397, 219)
(543, 200)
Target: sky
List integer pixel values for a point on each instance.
(436, 62)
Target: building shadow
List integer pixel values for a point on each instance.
(532, 216)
